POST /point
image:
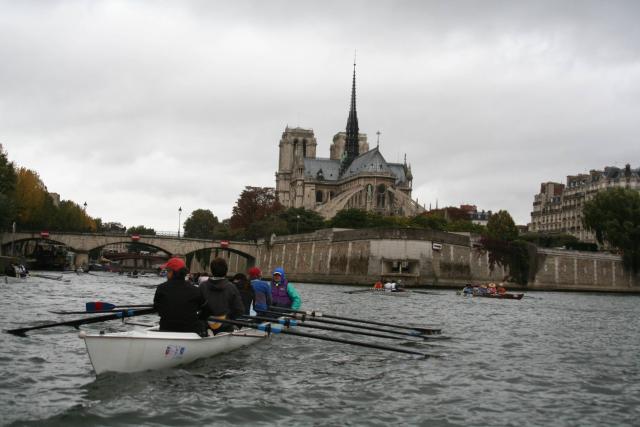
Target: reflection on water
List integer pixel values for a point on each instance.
(552, 358)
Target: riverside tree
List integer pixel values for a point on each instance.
(614, 217)
(8, 180)
(504, 247)
(252, 207)
(202, 223)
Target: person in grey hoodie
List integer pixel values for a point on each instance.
(222, 298)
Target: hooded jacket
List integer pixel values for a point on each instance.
(283, 292)
(221, 299)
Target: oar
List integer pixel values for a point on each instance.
(359, 291)
(425, 292)
(123, 308)
(75, 323)
(304, 317)
(315, 314)
(293, 322)
(45, 276)
(270, 328)
(97, 306)
(42, 276)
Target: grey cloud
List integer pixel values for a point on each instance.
(140, 106)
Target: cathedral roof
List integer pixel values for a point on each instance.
(327, 168)
(371, 161)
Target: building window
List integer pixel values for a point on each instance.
(380, 198)
(319, 197)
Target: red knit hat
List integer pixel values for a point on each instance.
(174, 264)
(254, 272)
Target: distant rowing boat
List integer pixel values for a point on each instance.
(149, 349)
(404, 293)
(495, 296)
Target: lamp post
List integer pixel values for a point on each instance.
(85, 206)
(179, 214)
(13, 227)
(297, 224)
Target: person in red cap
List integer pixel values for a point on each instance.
(177, 301)
(261, 291)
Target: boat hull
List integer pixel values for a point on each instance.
(495, 296)
(148, 349)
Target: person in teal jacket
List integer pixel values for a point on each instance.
(283, 293)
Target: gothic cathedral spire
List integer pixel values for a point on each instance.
(352, 140)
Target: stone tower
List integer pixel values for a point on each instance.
(295, 145)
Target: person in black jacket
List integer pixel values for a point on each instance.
(246, 291)
(178, 301)
(221, 297)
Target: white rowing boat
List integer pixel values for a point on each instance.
(148, 349)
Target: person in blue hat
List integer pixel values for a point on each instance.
(282, 292)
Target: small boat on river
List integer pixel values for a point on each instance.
(501, 296)
(497, 296)
(149, 349)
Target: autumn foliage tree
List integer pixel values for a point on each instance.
(254, 205)
(35, 207)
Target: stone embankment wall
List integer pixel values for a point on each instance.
(425, 257)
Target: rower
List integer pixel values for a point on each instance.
(246, 291)
(261, 290)
(283, 293)
(222, 299)
(178, 301)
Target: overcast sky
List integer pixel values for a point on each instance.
(141, 107)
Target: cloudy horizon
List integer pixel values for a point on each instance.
(139, 108)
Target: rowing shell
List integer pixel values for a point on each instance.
(148, 349)
(496, 296)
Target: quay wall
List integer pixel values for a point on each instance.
(430, 258)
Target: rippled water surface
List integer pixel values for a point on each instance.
(549, 359)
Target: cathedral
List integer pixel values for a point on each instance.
(352, 177)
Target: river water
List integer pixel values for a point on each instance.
(564, 359)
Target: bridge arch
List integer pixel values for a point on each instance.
(237, 260)
(129, 242)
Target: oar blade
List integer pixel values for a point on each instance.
(95, 306)
(85, 321)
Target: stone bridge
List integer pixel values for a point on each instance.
(418, 257)
(239, 254)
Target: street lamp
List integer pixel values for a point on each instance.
(85, 206)
(13, 228)
(297, 223)
(179, 214)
